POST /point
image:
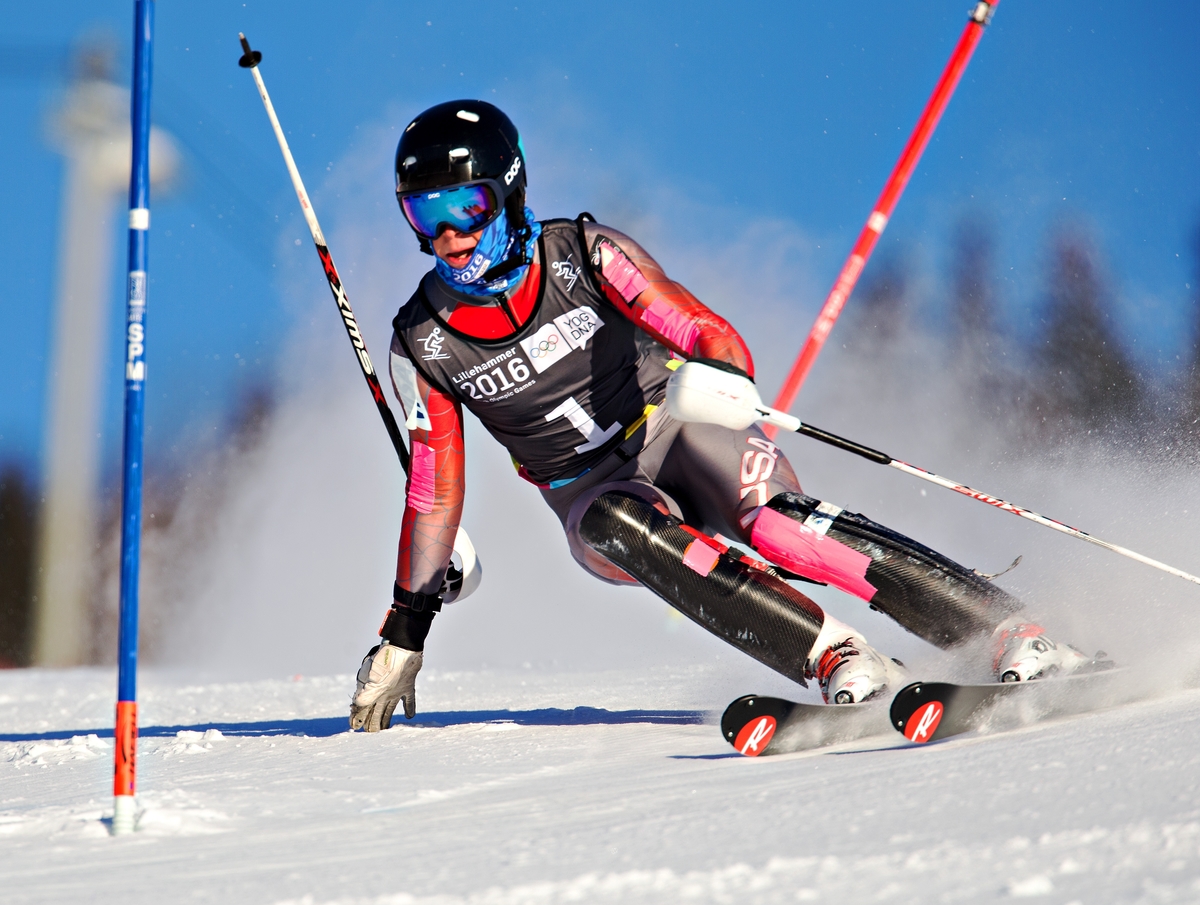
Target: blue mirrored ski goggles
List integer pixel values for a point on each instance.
(466, 208)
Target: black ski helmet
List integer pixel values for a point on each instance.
(459, 142)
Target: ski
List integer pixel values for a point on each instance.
(928, 711)
(758, 725)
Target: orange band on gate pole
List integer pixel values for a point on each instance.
(125, 771)
(882, 212)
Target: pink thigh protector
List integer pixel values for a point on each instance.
(807, 552)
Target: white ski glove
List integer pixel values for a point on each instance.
(713, 392)
(388, 675)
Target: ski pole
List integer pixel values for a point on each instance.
(125, 731)
(882, 212)
(250, 60)
(462, 543)
(791, 423)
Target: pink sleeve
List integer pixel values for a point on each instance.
(420, 478)
(637, 287)
(674, 325)
(621, 272)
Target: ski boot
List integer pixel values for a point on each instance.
(847, 669)
(1023, 652)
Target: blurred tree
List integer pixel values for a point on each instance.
(972, 303)
(1189, 426)
(878, 311)
(18, 512)
(1083, 378)
(980, 349)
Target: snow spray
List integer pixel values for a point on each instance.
(125, 770)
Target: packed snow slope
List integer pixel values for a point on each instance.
(545, 786)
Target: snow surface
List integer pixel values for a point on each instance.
(546, 786)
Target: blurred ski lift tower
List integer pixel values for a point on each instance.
(92, 130)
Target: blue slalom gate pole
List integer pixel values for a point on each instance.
(125, 768)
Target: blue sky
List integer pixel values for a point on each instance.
(790, 112)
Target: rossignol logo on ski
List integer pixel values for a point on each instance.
(432, 344)
(922, 724)
(755, 736)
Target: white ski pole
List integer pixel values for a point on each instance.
(469, 567)
(790, 423)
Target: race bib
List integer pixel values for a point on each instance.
(546, 347)
(579, 325)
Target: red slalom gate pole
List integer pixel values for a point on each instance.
(882, 212)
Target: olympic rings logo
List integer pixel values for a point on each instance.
(545, 347)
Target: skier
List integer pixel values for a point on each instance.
(632, 408)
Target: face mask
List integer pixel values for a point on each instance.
(497, 243)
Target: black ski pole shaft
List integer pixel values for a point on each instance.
(250, 60)
(842, 443)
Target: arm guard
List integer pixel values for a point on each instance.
(436, 482)
(638, 288)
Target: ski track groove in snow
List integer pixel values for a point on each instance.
(519, 787)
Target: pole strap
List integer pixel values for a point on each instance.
(418, 603)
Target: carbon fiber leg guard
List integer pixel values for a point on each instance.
(930, 595)
(755, 612)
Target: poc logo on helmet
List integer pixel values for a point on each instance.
(513, 170)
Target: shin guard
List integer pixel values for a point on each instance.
(757, 613)
(930, 595)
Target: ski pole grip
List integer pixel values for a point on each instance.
(780, 419)
(858, 449)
